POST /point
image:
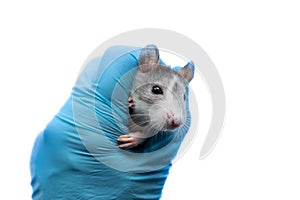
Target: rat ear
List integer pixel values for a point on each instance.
(149, 58)
(187, 72)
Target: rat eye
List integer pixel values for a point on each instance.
(156, 90)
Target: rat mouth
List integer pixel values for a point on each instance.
(171, 127)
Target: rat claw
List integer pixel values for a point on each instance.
(126, 146)
(131, 105)
(130, 99)
(126, 138)
(130, 102)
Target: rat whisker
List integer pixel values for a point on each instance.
(138, 114)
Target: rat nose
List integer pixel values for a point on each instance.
(175, 123)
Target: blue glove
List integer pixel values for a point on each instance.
(76, 156)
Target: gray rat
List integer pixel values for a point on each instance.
(157, 98)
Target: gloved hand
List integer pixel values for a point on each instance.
(77, 156)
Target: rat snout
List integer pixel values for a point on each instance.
(173, 121)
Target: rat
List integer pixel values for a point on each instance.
(157, 98)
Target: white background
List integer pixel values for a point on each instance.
(254, 45)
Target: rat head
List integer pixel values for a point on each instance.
(159, 93)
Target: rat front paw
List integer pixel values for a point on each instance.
(129, 141)
(130, 104)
